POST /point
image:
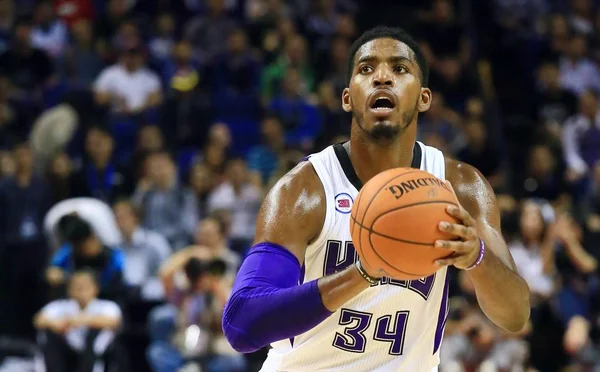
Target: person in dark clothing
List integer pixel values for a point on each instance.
(100, 177)
(24, 200)
(82, 249)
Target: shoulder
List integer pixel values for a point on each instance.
(472, 189)
(293, 212)
(299, 185)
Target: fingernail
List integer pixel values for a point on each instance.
(444, 225)
(439, 244)
(439, 263)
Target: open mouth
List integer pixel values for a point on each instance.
(383, 104)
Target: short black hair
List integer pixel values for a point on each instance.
(194, 269)
(384, 32)
(75, 229)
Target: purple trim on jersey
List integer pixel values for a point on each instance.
(443, 315)
(267, 303)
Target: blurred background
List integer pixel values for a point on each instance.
(138, 138)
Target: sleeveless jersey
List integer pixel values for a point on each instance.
(393, 326)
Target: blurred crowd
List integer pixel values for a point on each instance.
(138, 139)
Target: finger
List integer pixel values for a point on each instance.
(454, 245)
(461, 214)
(461, 231)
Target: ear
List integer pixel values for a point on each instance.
(425, 99)
(346, 101)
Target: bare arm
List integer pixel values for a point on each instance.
(502, 294)
(267, 303)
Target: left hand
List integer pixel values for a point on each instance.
(466, 246)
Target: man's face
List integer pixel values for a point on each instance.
(385, 94)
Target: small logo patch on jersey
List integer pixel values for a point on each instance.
(343, 203)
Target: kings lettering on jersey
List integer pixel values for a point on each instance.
(339, 255)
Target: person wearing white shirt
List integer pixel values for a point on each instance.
(78, 331)
(128, 86)
(145, 250)
(241, 199)
(49, 33)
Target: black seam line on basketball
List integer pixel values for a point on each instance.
(370, 229)
(412, 205)
(389, 264)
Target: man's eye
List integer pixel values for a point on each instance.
(366, 69)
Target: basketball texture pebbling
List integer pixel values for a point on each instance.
(394, 222)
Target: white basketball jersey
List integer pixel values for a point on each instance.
(393, 326)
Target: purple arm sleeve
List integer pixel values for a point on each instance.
(267, 303)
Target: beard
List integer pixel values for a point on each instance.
(386, 131)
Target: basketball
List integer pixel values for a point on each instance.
(394, 222)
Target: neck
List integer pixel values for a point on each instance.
(370, 158)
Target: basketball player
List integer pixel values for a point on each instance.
(302, 289)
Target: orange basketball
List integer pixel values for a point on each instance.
(394, 222)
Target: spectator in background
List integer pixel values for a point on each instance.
(335, 120)
(97, 213)
(202, 182)
(533, 251)
(236, 71)
(128, 87)
(581, 137)
(73, 11)
(188, 112)
(263, 159)
(577, 72)
(207, 32)
(149, 140)
(28, 69)
(167, 207)
(49, 33)
(212, 239)
(544, 178)
(81, 249)
(295, 57)
(443, 122)
(100, 177)
(78, 332)
(190, 328)
(241, 199)
(60, 177)
(145, 250)
(554, 104)
(163, 40)
(24, 200)
(558, 36)
(81, 63)
(443, 36)
(299, 117)
(117, 12)
(482, 153)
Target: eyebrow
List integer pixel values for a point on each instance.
(370, 58)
